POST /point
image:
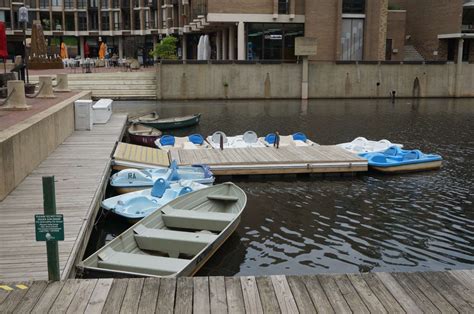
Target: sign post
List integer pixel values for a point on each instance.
(50, 228)
(305, 46)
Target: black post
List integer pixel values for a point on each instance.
(221, 141)
(25, 61)
(52, 252)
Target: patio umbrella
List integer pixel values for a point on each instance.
(3, 45)
(102, 51)
(63, 53)
(86, 49)
(200, 48)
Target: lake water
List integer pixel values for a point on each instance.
(369, 222)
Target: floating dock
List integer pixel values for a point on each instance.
(81, 166)
(270, 160)
(429, 292)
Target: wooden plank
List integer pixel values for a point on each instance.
(65, 296)
(317, 294)
(48, 297)
(415, 293)
(12, 300)
(167, 295)
(301, 295)
(81, 298)
(431, 293)
(334, 295)
(350, 294)
(184, 295)
(267, 295)
(366, 294)
(448, 292)
(148, 300)
(201, 296)
(132, 296)
(217, 294)
(452, 282)
(398, 293)
(31, 297)
(235, 299)
(250, 293)
(463, 278)
(283, 293)
(114, 301)
(384, 296)
(99, 296)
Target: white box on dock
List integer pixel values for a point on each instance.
(102, 111)
(83, 116)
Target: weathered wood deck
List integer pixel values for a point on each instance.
(80, 166)
(434, 292)
(269, 160)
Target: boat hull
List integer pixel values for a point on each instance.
(424, 166)
(174, 124)
(148, 141)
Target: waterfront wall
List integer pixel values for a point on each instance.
(26, 144)
(326, 80)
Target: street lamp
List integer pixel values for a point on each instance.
(23, 18)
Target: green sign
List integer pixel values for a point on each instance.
(49, 227)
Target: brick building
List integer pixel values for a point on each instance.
(437, 30)
(253, 29)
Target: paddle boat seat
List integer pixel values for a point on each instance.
(141, 263)
(172, 242)
(194, 220)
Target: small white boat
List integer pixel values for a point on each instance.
(136, 205)
(175, 240)
(248, 139)
(130, 180)
(363, 145)
(194, 141)
(296, 139)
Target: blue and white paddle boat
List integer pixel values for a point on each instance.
(296, 139)
(362, 145)
(193, 141)
(395, 159)
(248, 139)
(137, 205)
(130, 180)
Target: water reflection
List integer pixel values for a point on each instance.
(310, 224)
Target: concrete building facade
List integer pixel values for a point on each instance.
(347, 30)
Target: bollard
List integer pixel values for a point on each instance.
(63, 84)
(221, 142)
(277, 140)
(46, 87)
(52, 251)
(16, 99)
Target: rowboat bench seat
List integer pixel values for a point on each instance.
(140, 263)
(172, 242)
(222, 198)
(194, 220)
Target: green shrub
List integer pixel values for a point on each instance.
(166, 49)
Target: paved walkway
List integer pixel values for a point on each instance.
(445, 292)
(79, 165)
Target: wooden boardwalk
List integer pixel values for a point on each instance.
(80, 166)
(434, 292)
(269, 160)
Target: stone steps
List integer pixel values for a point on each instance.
(411, 54)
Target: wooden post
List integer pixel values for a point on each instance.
(49, 204)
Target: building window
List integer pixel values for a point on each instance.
(116, 21)
(353, 6)
(5, 3)
(271, 41)
(82, 19)
(69, 21)
(115, 4)
(105, 21)
(136, 19)
(44, 4)
(104, 4)
(69, 4)
(352, 39)
(93, 3)
(56, 3)
(30, 3)
(282, 6)
(81, 4)
(93, 20)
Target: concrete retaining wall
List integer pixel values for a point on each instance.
(25, 145)
(260, 81)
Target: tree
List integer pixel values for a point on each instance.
(166, 49)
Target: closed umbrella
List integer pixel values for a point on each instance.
(86, 49)
(63, 52)
(207, 48)
(3, 45)
(102, 51)
(200, 48)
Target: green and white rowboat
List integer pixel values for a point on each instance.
(175, 240)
